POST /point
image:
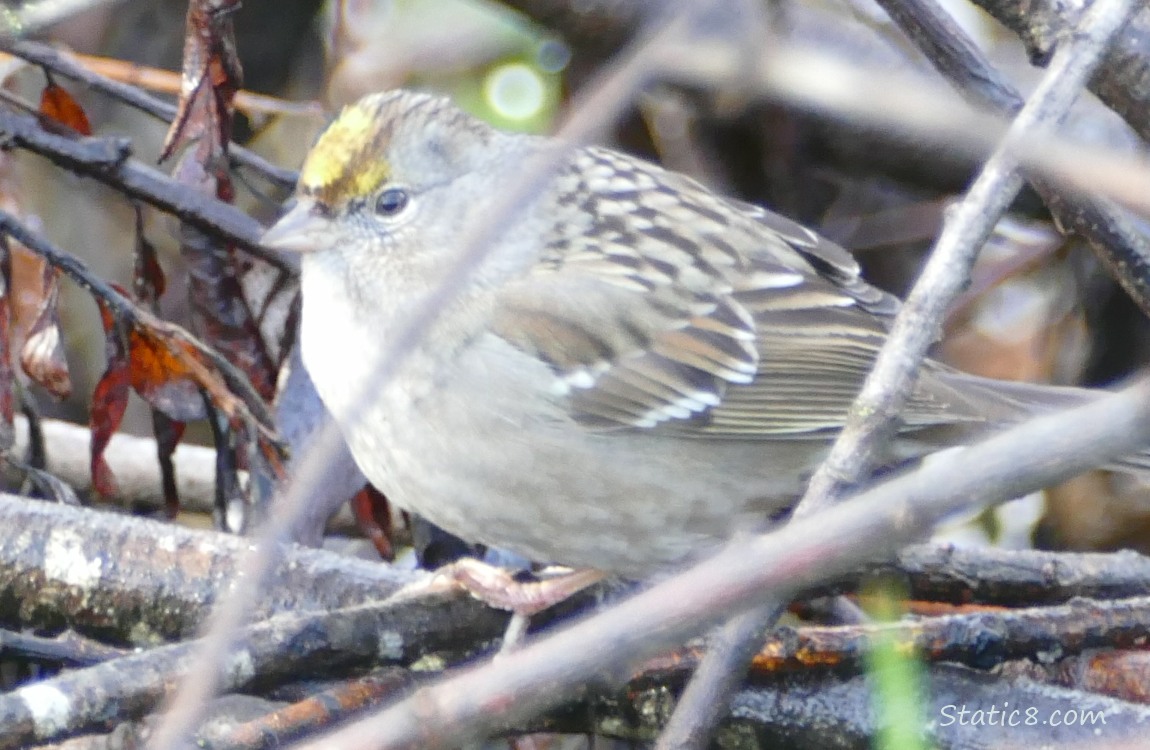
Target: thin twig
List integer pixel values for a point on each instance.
(61, 63)
(904, 107)
(1123, 79)
(168, 82)
(874, 415)
(1121, 247)
(322, 709)
(982, 639)
(942, 572)
(707, 697)
(68, 648)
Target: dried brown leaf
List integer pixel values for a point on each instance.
(148, 280)
(373, 515)
(58, 105)
(42, 355)
(109, 400)
(211, 77)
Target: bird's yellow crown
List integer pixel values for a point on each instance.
(348, 160)
(378, 138)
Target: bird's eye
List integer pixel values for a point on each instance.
(391, 201)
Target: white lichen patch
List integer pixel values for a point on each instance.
(390, 645)
(240, 669)
(49, 708)
(64, 560)
(166, 543)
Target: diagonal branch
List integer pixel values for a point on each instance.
(1123, 78)
(107, 160)
(1109, 230)
(874, 415)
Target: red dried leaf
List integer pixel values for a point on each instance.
(58, 105)
(166, 372)
(170, 368)
(148, 280)
(219, 305)
(373, 516)
(220, 308)
(42, 355)
(148, 365)
(109, 399)
(162, 376)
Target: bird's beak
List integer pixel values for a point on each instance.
(301, 230)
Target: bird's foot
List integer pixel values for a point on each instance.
(498, 587)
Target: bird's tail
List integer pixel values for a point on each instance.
(1005, 402)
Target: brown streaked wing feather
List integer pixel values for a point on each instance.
(816, 350)
(628, 358)
(680, 311)
(806, 385)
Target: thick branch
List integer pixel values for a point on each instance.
(270, 652)
(137, 580)
(1016, 577)
(132, 460)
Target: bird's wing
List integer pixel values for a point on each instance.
(660, 305)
